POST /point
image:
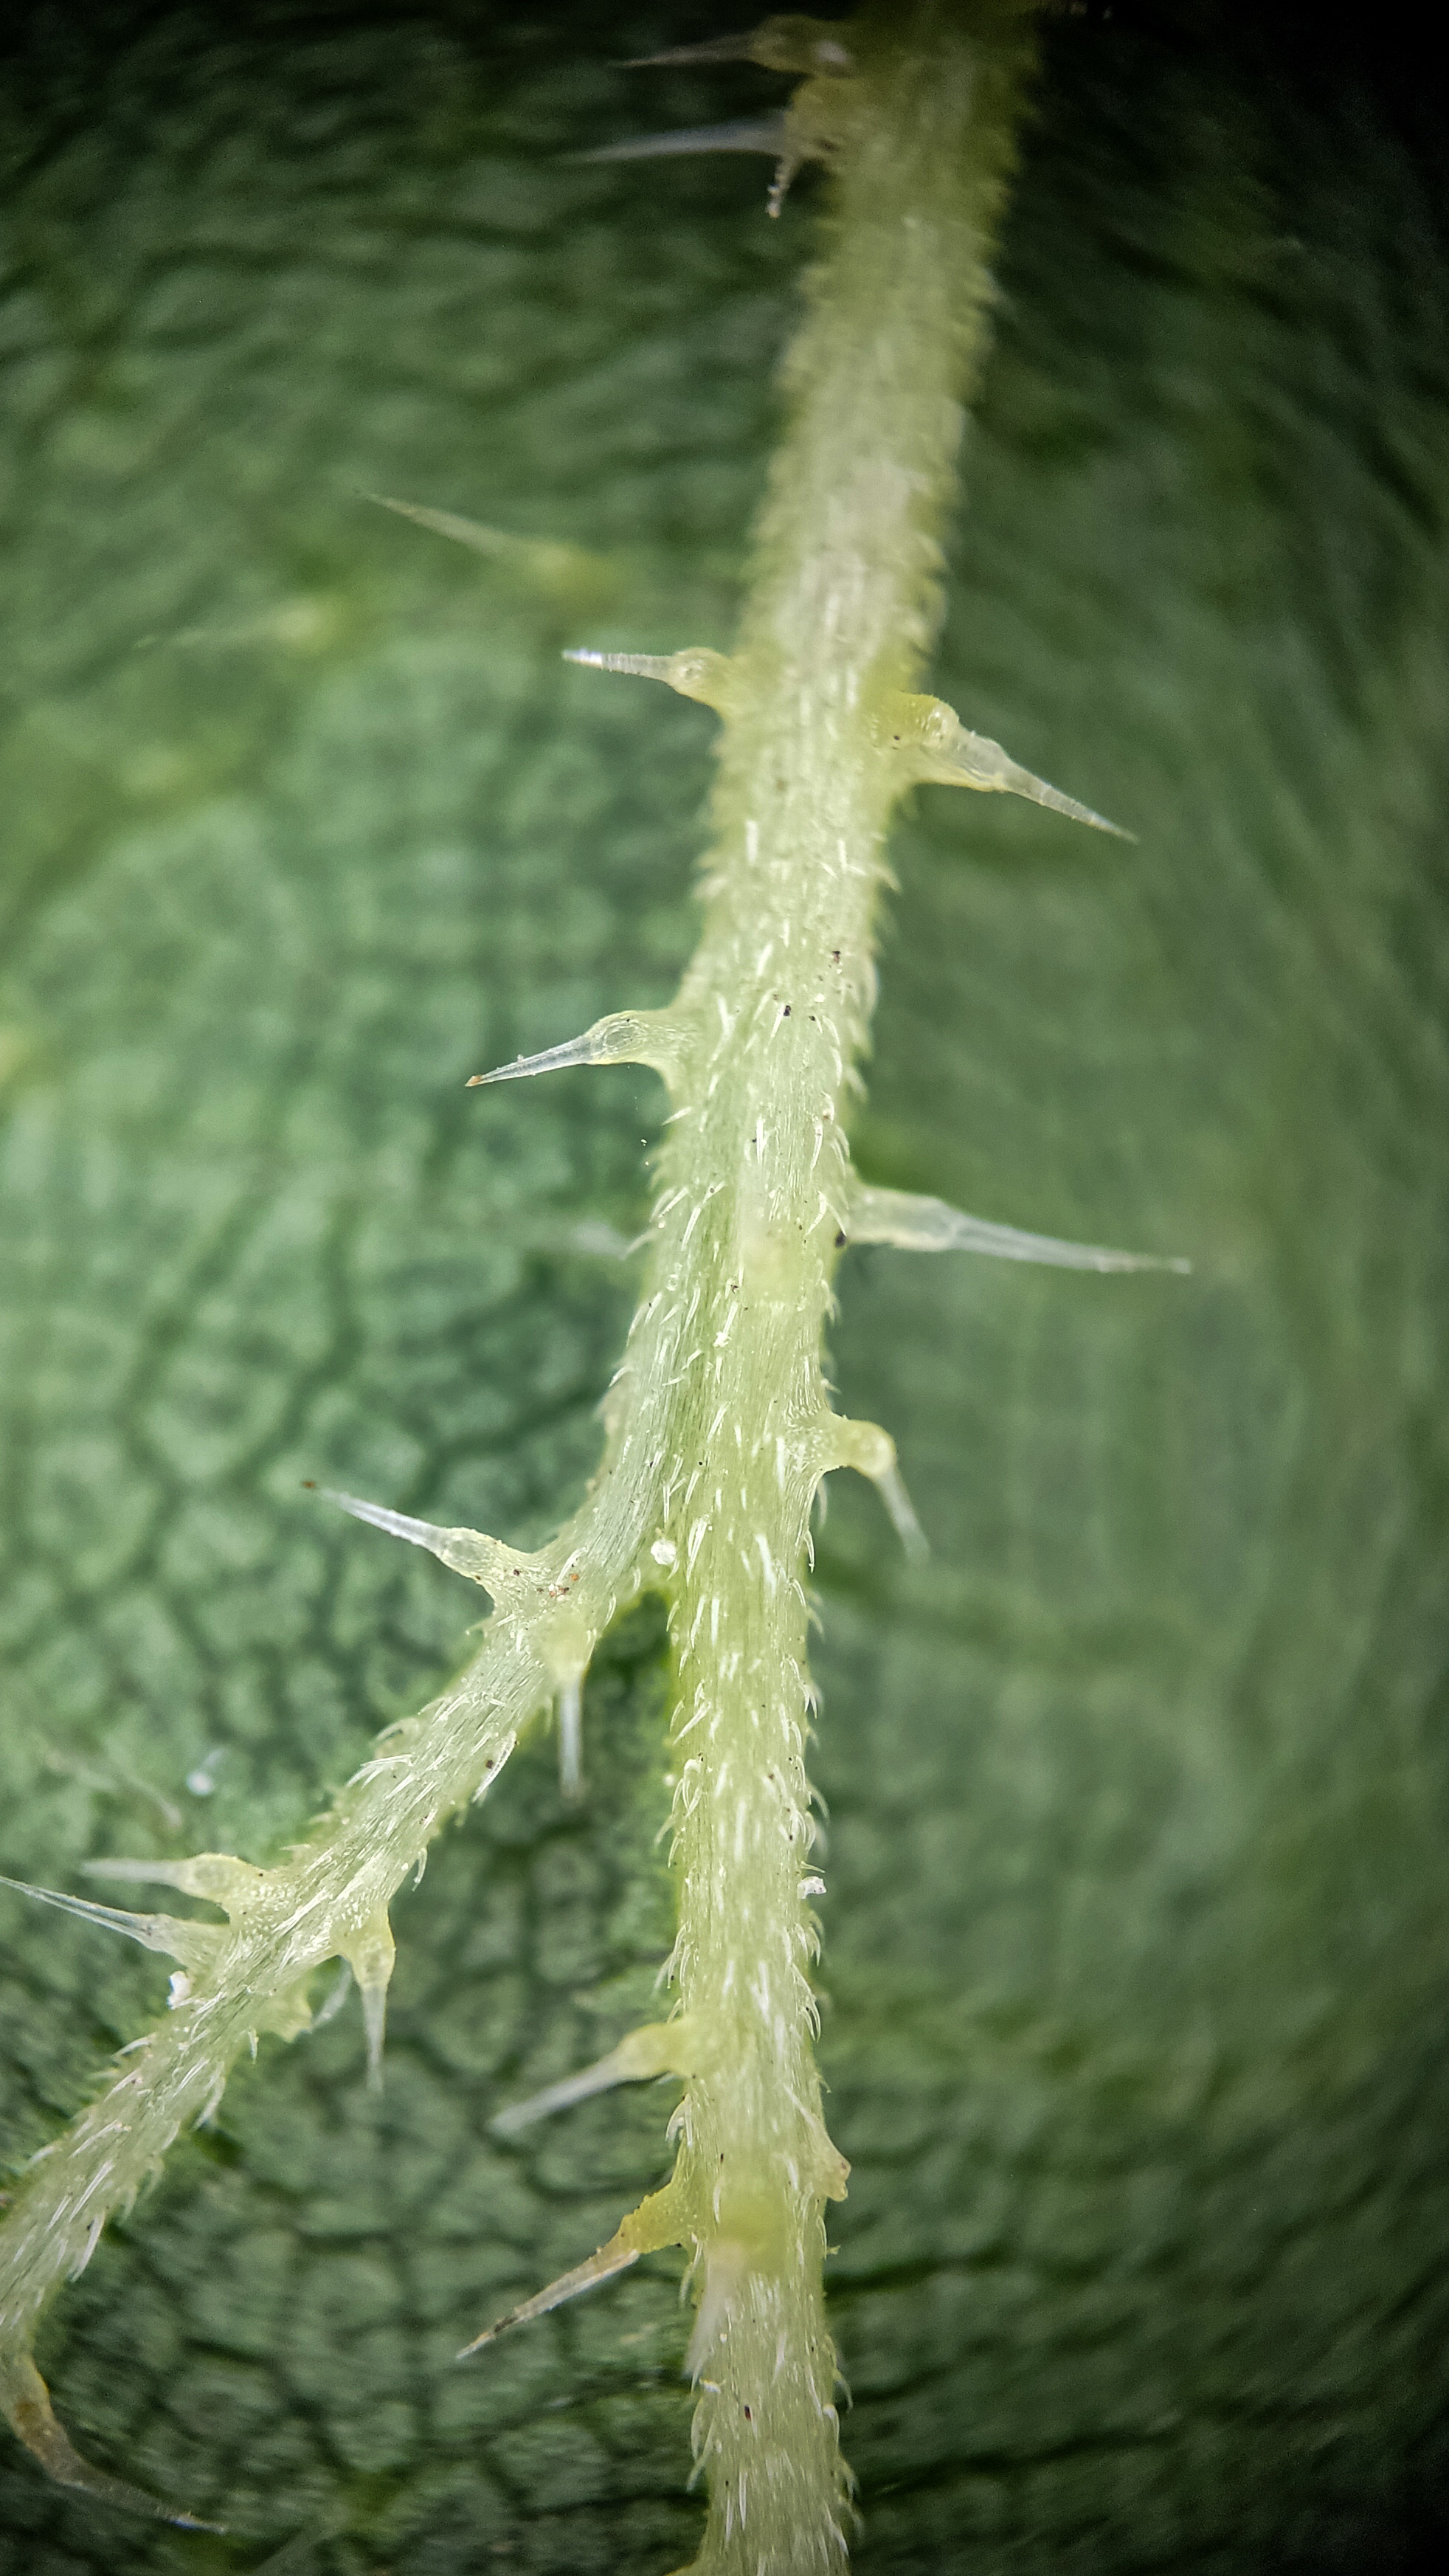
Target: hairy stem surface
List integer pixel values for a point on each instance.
(755, 1204)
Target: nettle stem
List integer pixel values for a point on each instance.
(755, 1205)
(719, 1425)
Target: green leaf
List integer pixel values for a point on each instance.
(1136, 1935)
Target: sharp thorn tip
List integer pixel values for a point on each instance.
(752, 135)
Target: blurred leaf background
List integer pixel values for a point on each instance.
(1137, 1934)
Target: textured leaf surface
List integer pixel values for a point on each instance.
(1136, 1931)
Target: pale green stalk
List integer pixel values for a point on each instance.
(719, 1426)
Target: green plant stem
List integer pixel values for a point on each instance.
(840, 615)
(719, 1425)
